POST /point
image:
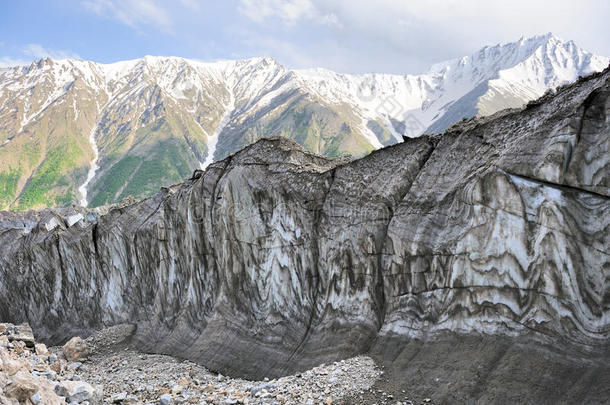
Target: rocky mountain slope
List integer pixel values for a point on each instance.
(76, 131)
(275, 259)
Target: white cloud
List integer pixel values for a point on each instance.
(133, 13)
(288, 12)
(192, 4)
(37, 51)
(280, 49)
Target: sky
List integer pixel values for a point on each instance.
(351, 36)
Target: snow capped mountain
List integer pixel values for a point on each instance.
(73, 130)
(511, 73)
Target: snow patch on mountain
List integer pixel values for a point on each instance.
(213, 140)
(93, 169)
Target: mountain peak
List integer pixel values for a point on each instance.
(487, 61)
(540, 37)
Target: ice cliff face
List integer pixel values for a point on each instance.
(275, 259)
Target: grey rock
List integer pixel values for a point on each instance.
(36, 398)
(120, 397)
(21, 333)
(75, 391)
(49, 375)
(165, 399)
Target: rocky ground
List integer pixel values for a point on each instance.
(32, 374)
(104, 369)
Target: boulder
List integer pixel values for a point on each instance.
(22, 387)
(41, 349)
(75, 349)
(21, 333)
(9, 365)
(77, 391)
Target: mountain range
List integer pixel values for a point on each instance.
(74, 131)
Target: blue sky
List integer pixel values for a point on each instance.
(394, 36)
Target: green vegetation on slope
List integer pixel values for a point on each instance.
(8, 185)
(112, 181)
(18, 160)
(43, 188)
(320, 129)
(167, 162)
